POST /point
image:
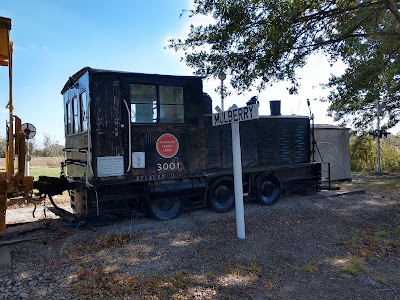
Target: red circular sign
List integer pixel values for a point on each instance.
(167, 145)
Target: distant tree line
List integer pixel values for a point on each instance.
(363, 152)
(49, 147)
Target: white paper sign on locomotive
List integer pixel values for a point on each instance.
(138, 160)
(110, 166)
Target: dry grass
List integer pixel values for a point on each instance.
(386, 184)
(38, 162)
(376, 241)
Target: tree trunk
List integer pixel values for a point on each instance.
(392, 6)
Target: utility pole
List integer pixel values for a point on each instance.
(222, 77)
(378, 168)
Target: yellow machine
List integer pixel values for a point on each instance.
(12, 184)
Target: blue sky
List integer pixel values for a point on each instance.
(55, 39)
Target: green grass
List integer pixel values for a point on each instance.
(44, 171)
(270, 283)
(309, 267)
(354, 267)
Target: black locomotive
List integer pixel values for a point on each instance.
(146, 142)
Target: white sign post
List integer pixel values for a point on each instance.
(235, 115)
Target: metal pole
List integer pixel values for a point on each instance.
(27, 159)
(378, 168)
(237, 174)
(222, 95)
(6, 185)
(10, 106)
(222, 77)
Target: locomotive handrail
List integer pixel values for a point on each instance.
(82, 150)
(75, 162)
(88, 155)
(87, 164)
(129, 136)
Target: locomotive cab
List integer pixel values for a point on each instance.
(133, 132)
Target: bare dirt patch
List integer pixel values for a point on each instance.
(305, 247)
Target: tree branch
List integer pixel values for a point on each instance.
(337, 11)
(392, 6)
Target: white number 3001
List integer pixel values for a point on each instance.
(167, 166)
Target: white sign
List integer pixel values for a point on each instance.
(110, 166)
(236, 114)
(138, 160)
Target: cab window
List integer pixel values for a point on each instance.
(171, 104)
(156, 104)
(143, 103)
(68, 118)
(76, 117)
(83, 111)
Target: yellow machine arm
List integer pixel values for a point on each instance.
(11, 184)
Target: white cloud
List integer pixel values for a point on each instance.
(197, 20)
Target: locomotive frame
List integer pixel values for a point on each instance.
(145, 142)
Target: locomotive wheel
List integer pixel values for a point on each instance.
(221, 195)
(268, 189)
(165, 209)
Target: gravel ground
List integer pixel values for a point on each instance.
(305, 247)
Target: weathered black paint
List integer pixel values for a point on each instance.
(276, 144)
